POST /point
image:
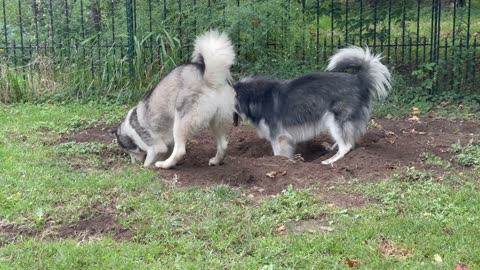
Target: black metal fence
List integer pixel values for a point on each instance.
(105, 45)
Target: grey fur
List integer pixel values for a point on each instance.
(193, 96)
(293, 111)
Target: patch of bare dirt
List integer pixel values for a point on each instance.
(102, 224)
(388, 145)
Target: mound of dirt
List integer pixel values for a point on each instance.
(389, 144)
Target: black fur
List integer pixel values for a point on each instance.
(304, 100)
(141, 131)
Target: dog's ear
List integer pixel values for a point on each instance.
(235, 119)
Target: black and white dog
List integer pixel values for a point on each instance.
(293, 111)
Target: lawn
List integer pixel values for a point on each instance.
(83, 205)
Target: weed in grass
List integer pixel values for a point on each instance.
(411, 174)
(431, 159)
(468, 155)
(86, 148)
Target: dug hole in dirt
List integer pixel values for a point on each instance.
(388, 145)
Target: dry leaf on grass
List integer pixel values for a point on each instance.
(415, 111)
(241, 203)
(462, 266)
(390, 249)
(437, 258)
(281, 228)
(353, 263)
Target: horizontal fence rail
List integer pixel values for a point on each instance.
(119, 48)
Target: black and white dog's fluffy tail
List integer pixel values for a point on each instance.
(371, 71)
(215, 51)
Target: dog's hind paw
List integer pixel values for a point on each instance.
(163, 165)
(214, 161)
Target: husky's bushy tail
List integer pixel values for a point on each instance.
(375, 75)
(214, 50)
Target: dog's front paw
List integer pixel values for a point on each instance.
(214, 162)
(163, 165)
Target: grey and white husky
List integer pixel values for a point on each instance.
(292, 111)
(191, 97)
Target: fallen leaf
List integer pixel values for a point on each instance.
(414, 118)
(375, 124)
(326, 228)
(415, 111)
(250, 196)
(272, 174)
(391, 137)
(462, 266)
(389, 116)
(353, 263)
(239, 202)
(164, 195)
(281, 228)
(437, 258)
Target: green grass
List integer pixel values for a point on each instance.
(219, 227)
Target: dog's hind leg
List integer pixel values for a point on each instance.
(181, 131)
(221, 137)
(342, 139)
(283, 146)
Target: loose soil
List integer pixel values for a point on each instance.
(389, 144)
(102, 224)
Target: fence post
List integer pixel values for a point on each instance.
(131, 44)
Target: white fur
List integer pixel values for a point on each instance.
(218, 55)
(381, 77)
(215, 105)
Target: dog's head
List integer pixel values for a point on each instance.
(241, 101)
(128, 144)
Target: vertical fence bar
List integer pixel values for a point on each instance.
(303, 31)
(21, 29)
(454, 21)
(131, 48)
(346, 20)
(112, 8)
(134, 16)
(439, 11)
(403, 31)
(418, 31)
(82, 21)
(5, 33)
(195, 19)
(361, 21)
(67, 27)
(318, 34)
(180, 28)
(52, 31)
(432, 30)
(389, 30)
(375, 11)
(474, 68)
(424, 49)
(164, 10)
(331, 26)
(150, 28)
(468, 22)
(35, 16)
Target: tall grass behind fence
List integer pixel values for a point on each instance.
(116, 50)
